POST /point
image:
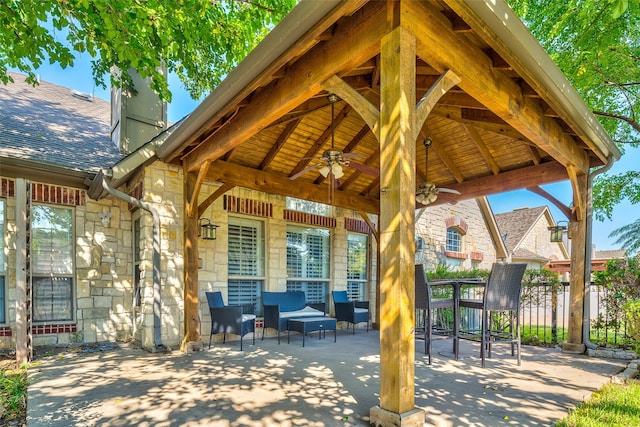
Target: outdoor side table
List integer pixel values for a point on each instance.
(304, 325)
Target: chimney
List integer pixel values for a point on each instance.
(137, 114)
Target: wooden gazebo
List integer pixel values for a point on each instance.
(463, 74)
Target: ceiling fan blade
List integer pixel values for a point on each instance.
(305, 170)
(364, 169)
(352, 156)
(448, 190)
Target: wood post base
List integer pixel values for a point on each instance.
(572, 348)
(379, 417)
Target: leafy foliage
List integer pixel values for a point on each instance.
(597, 46)
(632, 311)
(13, 392)
(199, 40)
(621, 283)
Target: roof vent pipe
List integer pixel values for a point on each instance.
(586, 320)
(157, 319)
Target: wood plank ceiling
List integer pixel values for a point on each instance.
(280, 124)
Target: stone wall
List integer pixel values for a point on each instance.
(478, 248)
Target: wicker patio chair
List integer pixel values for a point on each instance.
(237, 320)
(350, 311)
(425, 306)
(501, 294)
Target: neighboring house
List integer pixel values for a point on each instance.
(463, 236)
(525, 232)
(52, 139)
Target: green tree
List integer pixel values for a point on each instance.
(199, 40)
(597, 45)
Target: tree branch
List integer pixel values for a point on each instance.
(634, 124)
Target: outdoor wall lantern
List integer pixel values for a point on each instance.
(557, 231)
(207, 230)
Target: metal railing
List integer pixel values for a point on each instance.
(545, 316)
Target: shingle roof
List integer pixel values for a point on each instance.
(514, 225)
(54, 125)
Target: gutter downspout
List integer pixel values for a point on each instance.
(586, 316)
(157, 340)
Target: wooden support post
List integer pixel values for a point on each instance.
(397, 224)
(191, 338)
(578, 235)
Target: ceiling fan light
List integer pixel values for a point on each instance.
(325, 170)
(336, 169)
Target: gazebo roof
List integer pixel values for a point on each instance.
(512, 121)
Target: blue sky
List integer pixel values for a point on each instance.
(79, 78)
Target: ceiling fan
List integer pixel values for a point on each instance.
(427, 191)
(333, 160)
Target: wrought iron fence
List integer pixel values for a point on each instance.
(545, 316)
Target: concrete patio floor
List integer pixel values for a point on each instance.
(322, 384)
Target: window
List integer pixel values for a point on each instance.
(52, 263)
(454, 240)
(3, 318)
(308, 262)
(307, 206)
(246, 261)
(357, 249)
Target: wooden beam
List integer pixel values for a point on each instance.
(191, 317)
(579, 186)
(574, 343)
(191, 199)
(397, 223)
(482, 147)
(493, 88)
(374, 231)
(253, 179)
(516, 179)
(356, 39)
(441, 86)
(542, 193)
(359, 103)
(213, 197)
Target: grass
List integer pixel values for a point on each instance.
(613, 405)
(13, 393)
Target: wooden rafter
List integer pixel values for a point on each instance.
(456, 114)
(482, 147)
(315, 148)
(277, 146)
